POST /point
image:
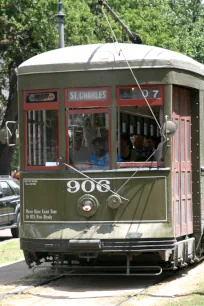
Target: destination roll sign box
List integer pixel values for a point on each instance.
(88, 95)
(39, 97)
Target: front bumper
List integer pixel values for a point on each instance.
(97, 245)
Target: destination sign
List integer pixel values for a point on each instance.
(88, 95)
(41, 97)
(136, 94)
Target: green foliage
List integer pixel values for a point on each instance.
(173, 24)
(29, 27)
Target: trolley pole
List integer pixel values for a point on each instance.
(134, 37)
(60, 16)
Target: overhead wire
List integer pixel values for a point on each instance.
(120, 50)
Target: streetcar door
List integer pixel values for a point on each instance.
(182, 170)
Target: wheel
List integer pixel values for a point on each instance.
(15, 231)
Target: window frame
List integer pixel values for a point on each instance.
(40, 106)
(139, 102)
(89, 111)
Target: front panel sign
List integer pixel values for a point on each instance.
(87, 95)
(39, 97)
(57, 200)
(136, 94)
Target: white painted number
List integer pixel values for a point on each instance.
(88, 186)
(155, 92)
(73, 186)
(106, 186)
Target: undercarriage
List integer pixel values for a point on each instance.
(131, 257)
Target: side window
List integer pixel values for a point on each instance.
(41, 129)
(42, 138)
(6, 189)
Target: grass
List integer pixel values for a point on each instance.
(10, 252)
(194, 296)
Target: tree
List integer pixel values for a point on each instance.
(29, 27)
(173, 24)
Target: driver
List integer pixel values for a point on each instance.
(100, 158)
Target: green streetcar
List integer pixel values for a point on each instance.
(111, 157)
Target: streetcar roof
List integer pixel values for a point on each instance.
(108, 57)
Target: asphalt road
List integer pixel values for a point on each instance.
(11, 273)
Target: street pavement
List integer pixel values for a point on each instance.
(13, 272)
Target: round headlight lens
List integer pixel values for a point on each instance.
(87, 205)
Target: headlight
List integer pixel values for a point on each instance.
(87, 205)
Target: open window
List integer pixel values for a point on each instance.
(139, 137)
(41, 129)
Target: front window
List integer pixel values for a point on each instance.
(88, 139)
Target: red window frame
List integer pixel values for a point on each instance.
(140, 102)
(37, 107)
(85, 103)
(89, 111)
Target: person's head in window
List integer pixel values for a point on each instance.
(126, 148)
(138, 141)
(147, 149)
(99, 146)
(148, 143)
(100, 159)
(104, 132)
(77, 143)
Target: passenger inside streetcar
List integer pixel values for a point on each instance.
(101, 158)
(147, 150)
(78, 153)
(138, 133)
(127, 152)
(138, 141)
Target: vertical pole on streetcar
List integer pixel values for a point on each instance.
(60, 16)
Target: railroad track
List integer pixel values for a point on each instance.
(55, 278)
